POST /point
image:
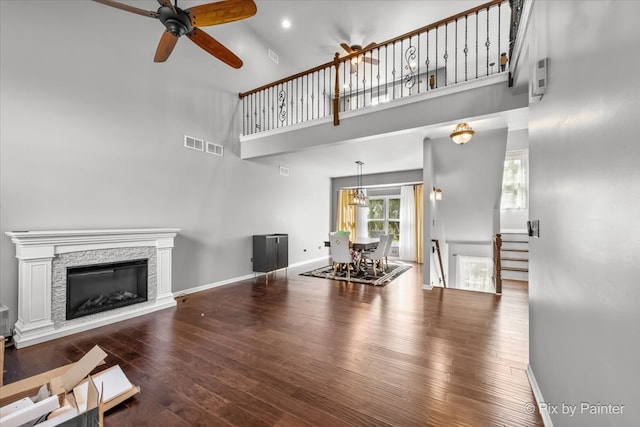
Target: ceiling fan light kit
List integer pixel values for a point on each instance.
(176, 21)
(358, 59)
(179, 22)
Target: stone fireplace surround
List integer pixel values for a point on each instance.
(43, 257)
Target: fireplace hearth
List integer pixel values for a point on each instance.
(44, 258)
(101, 287)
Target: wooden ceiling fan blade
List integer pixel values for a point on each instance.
(346, 47)
(371, 60)
(214, 47)
(167, 3)
(370, 45)
(165, 47)
(132, 9)
(221, 12)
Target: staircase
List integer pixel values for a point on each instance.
(514, 256)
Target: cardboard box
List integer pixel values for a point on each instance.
(69, 396)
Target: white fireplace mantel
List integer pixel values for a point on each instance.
(36, 251)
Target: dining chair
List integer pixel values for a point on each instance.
(387, 251)
(377, 256)
(340, 253)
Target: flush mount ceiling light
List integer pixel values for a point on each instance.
(357, 196)
(462, 133)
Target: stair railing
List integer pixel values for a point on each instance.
(497, 267)
(436, 249)
(466, 46)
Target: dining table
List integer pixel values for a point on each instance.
(360, 244)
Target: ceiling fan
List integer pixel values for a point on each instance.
(354, 48)
(180, 22)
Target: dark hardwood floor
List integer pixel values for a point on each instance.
(307, 351)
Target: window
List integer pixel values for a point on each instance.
(384, 216)
(474, 273)
(515, 180)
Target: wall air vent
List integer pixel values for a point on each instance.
(193, 143)
(284, 171)
(216, 149)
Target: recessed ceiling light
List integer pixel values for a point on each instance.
(286, 24)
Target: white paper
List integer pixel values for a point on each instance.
(112, 382)
(43, 393)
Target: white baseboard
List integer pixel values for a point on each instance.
(241, 278)
(544, 413)
(325, 258)
(427, 287)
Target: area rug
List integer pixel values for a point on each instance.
(366, 276)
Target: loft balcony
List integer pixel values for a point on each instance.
(468, 52)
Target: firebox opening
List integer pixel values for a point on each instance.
(100, 287)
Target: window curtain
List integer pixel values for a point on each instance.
(362, 214)
(418, 191)
(347, 214)
(407, 224)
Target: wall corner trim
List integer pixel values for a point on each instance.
(544, 413)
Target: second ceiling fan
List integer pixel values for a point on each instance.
(355, 48)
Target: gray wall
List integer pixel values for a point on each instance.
(585, 190)
(470, 177)
(94, 140)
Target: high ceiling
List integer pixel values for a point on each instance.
(316, 31)
(318, 27)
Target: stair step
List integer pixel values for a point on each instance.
(525, 270)
(504, 258)
(515, 241)
(514, 250)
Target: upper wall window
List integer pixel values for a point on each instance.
(515, 180)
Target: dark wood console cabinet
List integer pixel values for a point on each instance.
(270, 252)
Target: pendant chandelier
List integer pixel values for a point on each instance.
(358, 197)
